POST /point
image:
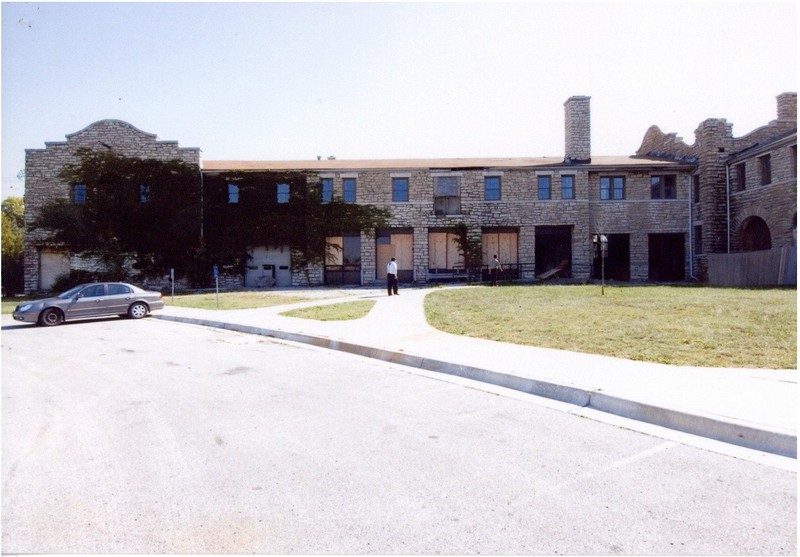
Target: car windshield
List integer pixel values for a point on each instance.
(71, 292)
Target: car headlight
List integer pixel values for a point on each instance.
(24, 307)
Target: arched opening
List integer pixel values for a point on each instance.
(755, 235)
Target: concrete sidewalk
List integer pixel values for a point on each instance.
(752, 408)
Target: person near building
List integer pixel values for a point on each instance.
(494, 268)
(391, 276)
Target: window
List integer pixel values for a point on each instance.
(696, 187)
(612, 187)
(447, 195)
(116, 289)
(765, 165)
(79, 194)
(544, 187)
(491, 188)
(399, 190)
(283, 193)
(349, 190)
(233, 193)
(698, 239)
(327, 190)
(741, 177)
(144, 193)
(94, 291)
(663, 187)
(568, 187)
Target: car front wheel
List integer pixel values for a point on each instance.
(137, 310)
(50, 317)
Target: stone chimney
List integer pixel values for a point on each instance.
(577, 128)
(787, 106)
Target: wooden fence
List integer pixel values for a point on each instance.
(773, 267)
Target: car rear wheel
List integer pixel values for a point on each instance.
(50, 317)
(137, 310)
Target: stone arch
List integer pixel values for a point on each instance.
(755, 234)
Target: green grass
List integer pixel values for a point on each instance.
(10, 303)
(334, 312)
(233, 300)
(696, 326)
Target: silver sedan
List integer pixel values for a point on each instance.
(98, 299)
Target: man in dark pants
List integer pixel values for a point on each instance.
(495, 268)
(391, 276)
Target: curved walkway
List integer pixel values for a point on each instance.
(753, 408)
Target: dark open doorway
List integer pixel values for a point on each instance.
(666, 257)
(554, 249)
(618, 261)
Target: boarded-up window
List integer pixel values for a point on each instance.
(447, 195)
(504, 244)
(443, 251)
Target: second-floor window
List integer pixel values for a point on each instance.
(79, 194)
(399, 190)
(612, 188)
(233, 193)
(491, 188)
(327, 190)
(283, 193)
(741, 177)
(568, 187)
(349, 190)
(663, 187)
(765, 165)
(447, 195)
(144, 193)
(543, 187)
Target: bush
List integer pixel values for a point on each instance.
(76, 277)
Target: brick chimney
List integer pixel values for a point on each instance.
(577, 128)
(787, 106)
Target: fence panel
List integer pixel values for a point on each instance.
(773, 267)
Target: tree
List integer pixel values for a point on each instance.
(142, 210)
(153, 213)
(13, 233)
(257, 218)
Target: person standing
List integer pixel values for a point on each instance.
(391, 276)
(495, 268)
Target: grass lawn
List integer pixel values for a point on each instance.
(696, 326)
(10, 303)
(233, 300)
(334, 312)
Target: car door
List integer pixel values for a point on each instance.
(119, 297)
(89, 302)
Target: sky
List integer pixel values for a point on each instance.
(294, 81)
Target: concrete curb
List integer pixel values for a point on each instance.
(731, 431)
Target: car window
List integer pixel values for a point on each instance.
(118, 289)
(94, 291)
(70, 293)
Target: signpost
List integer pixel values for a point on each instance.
(600, 242)
(215, 270)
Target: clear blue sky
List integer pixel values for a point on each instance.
(388, 80)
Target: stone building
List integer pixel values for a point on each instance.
(663, 211)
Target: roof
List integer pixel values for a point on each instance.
(332, 165)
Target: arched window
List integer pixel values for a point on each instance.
(755, 235)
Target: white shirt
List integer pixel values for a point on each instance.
(391, 268)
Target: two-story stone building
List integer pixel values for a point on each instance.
(662, 210)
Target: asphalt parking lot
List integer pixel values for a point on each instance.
(148, 436)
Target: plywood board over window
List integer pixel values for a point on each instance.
(401, 247)
(503, 244)
(52, 264)
(443, 251)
